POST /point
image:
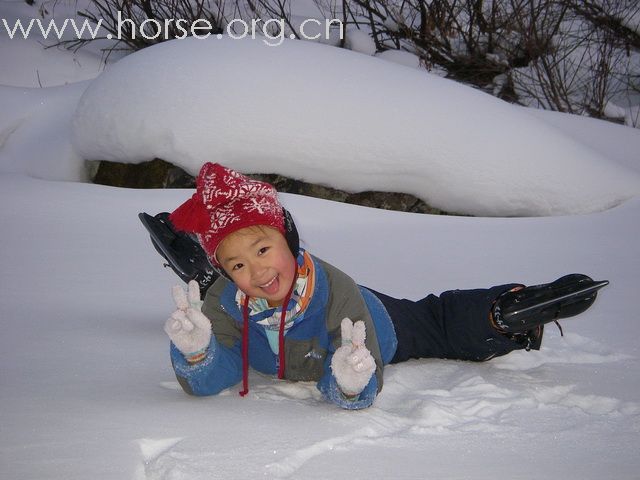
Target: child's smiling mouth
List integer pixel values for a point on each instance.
(271, 286)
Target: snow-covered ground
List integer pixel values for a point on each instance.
(87, 390)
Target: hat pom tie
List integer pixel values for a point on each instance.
(191, 216)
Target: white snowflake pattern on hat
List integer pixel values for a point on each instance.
(227, 200)
(224, 216)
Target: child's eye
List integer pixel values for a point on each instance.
(263, 250)
(237, 266)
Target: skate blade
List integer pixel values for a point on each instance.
(590, 289)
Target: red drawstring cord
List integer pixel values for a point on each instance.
(283, 318)
(245, 347)
(245, 337)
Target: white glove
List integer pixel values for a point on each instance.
(188, 328)
(352, 364)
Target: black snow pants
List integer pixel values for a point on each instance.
(453, 325)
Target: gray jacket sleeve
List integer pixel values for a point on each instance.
(223, 326)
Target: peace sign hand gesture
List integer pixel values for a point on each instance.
(188, 328)
(352, 364)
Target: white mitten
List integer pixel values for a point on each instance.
(352, 364)
(188, 328)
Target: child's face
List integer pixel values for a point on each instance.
(259, 262)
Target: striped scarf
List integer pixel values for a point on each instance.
(269, 317)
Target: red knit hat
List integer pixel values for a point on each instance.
(226, 201)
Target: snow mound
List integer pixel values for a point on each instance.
(44, 114)
(359, 41)
(308, 111)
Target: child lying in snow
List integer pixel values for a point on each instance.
(285, 312)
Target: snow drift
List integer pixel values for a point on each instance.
(309, 110)
(88, 391)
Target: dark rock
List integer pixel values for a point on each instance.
(402, 202)
(152, 174)
(160, 174)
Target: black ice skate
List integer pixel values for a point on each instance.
(526, 309)
(181, 250)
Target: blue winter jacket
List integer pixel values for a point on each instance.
(309, 343)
